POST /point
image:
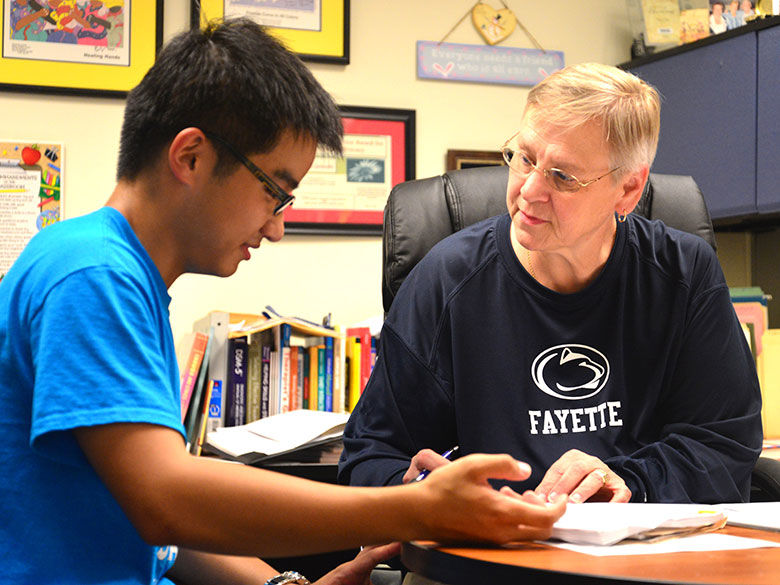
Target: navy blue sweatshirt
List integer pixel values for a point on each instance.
(647, 368)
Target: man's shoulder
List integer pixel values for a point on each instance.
(72, 246)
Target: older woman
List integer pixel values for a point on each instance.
(600, 347)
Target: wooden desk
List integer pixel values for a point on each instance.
(541, 564)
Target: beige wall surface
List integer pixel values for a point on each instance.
(306, 275)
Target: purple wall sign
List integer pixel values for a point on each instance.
(484, 63)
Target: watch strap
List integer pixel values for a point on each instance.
(288, 578)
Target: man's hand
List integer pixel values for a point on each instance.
(460, 504)
(358, 570)
(582, 477)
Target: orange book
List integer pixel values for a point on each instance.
(189, 373)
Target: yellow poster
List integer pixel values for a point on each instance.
(662, 22)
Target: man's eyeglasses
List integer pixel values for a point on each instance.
(520, 163)
(282, 196)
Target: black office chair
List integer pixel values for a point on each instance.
(765, 481)
(420, 213)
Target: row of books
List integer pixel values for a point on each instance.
(274, 371)
(236, 368)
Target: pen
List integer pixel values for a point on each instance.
(447, 455)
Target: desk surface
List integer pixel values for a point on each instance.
(541, 564)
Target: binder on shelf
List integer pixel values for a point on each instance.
(770, 383)
(198, 402)
(216, 323)
(196, 447)
(749, 294)
(191, 349)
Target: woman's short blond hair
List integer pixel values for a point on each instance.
(627, 108)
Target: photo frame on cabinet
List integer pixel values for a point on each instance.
(55, 52)
(347, 195)
(317, 32)
(467, 159)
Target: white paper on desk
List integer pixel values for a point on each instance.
(605, 523)
(279, 433)
(695, 543)
(763, 515)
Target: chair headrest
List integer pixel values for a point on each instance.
(421, 212)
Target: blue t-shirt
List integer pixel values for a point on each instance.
(85, 340)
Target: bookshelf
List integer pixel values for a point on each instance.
(265, 364)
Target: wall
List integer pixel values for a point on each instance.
(306, 275)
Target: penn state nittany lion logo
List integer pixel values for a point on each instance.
(570, 371)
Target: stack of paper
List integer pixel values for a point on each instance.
(607, 523)
(280, 434)
(762, 515)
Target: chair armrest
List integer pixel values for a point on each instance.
(765, 481)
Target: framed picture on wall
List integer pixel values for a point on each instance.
(347, 194)
(317, 30)
(466, 159)
(83, 48)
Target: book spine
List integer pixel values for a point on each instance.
(236, 392)
(329, 374)
(354, 354)
(283, 389)
(321, 377)
(204, 417)
(301, 352)
(365, 358)
(339, 379)
(254, 374)
(265, 385)
(192, 368)
(313, 377)
(215, 404)
(273, 389)
(284, 377)
(306, 377)
(293, 389)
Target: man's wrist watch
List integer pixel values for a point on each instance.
(288, 578)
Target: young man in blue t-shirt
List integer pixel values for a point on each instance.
(98, 486)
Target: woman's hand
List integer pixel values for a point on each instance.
(582, 477)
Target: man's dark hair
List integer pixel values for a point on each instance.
(233, 79)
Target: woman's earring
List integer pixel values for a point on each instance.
(622, 216)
